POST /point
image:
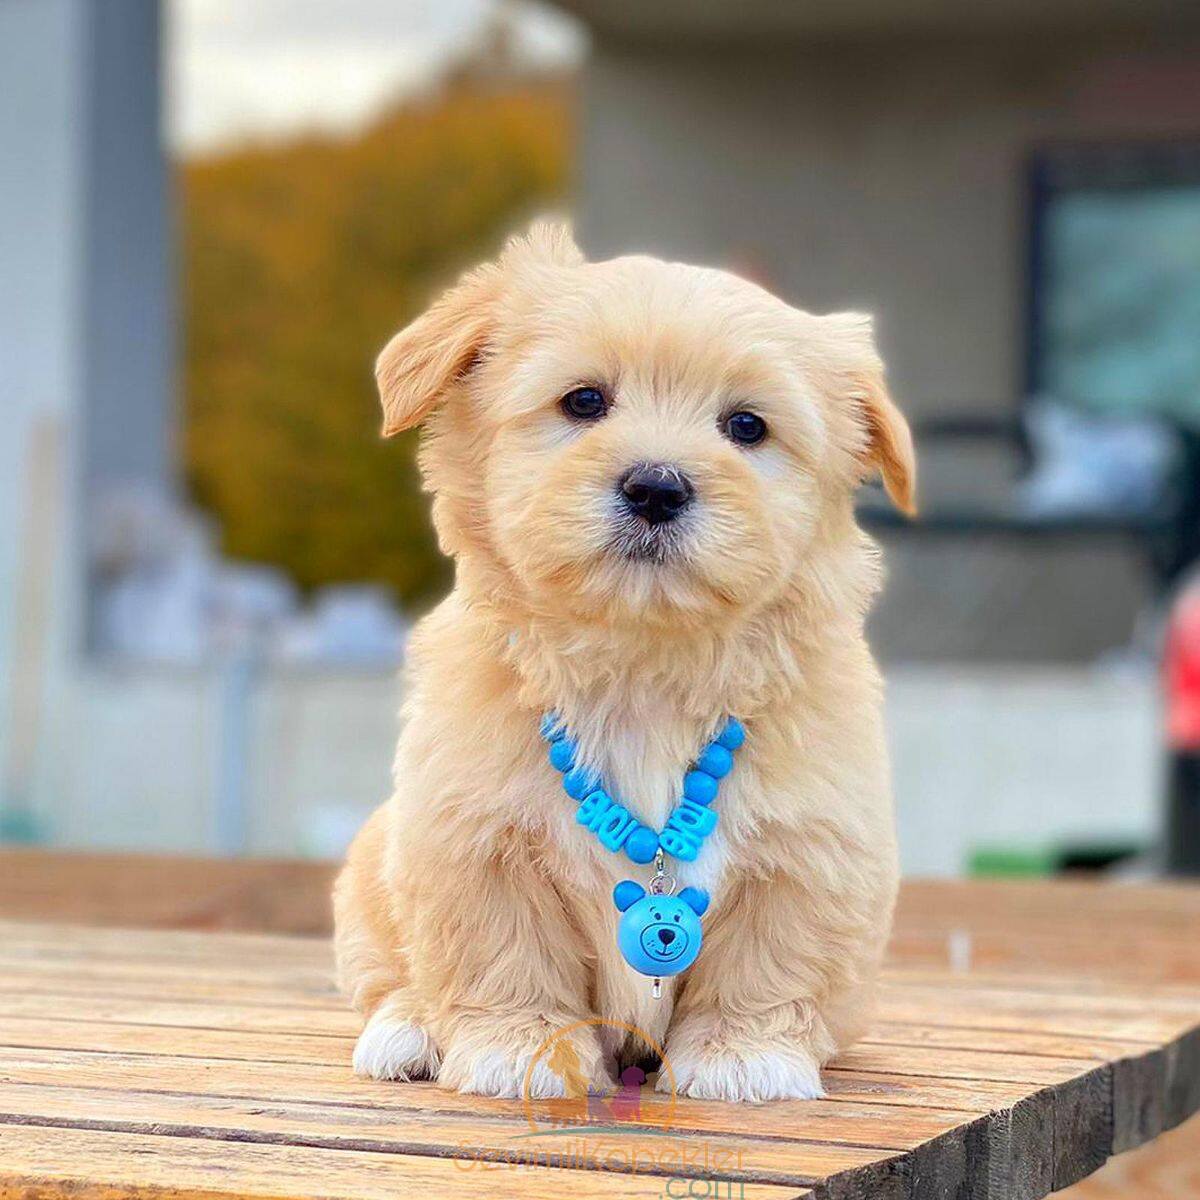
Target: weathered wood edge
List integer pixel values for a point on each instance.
(1055, 1137)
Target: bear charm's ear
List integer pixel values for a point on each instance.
(696, 899)
(627, 893)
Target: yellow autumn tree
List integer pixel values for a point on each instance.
(299, 261)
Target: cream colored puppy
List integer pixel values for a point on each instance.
(474, 915)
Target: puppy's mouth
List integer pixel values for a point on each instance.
(636, 540)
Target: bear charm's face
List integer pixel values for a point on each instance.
(659, 935)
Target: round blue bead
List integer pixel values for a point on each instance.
(642, 844)
(715, 760)
(733, 735)
(699, 787)
(578, 781)
(552, 728)
(562, 754)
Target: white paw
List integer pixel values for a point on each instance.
(507, 1075)
(751, 1076)
(392, 1048)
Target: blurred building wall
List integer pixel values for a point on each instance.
(886, 173)
(85, 343)
(876, 155)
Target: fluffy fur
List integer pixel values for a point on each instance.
(474, 917)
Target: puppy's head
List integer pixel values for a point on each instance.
(635, 439)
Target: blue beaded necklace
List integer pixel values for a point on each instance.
(659, 933)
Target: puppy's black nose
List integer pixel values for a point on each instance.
(666, 936)
(656, 491)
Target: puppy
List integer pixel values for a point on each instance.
(475, 915)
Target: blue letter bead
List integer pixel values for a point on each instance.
(679, 845)
(699, 787)
(733, 735)
(715, 760)
(594, 807)
(578, 782)
(614, 827)
(641, 844)
(693, 819)
(562, 754)
(552, 728)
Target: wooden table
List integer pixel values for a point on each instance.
(1026, 1033)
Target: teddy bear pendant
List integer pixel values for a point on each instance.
(659, 933)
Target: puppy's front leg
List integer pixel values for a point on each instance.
(503, 970)
(783, 981)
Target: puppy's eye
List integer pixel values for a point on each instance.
(584, 404)
(745, 428)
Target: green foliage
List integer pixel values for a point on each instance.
(300, 261)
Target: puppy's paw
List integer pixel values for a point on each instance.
(744, 1072)
(391, 1047)
(534, 1062)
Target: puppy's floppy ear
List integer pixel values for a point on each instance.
(888, 444)
(417, 366)
(425, 358)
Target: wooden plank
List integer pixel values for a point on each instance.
(190, 1013)
(120, 1037)
(860, 1109)
(94, 1165)
(168, 892)
(440, 1135)
(1094, 1048)
(981, 1085)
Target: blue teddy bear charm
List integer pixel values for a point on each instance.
(659, 934)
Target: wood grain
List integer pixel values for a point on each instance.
(1015, 1050)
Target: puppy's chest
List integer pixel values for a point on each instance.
(643, 769)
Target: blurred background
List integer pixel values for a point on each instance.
(213, 214)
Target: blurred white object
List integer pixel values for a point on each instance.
(163, 595)
(153, 570)
(328, 829)
(1090, 466)
(348, 626)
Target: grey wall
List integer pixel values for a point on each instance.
(891, 176)
(129, 289)
(886, 175)
(85, 340)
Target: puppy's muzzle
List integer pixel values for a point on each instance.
(656, 492)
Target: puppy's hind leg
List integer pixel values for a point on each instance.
(372, 969)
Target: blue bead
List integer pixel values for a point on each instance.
(642, 844)
(679, 845)
(733, 735)
(699, 787)
(578, 781)
(552, 727)
(715, 760)
(562, 754)
(693, 819)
